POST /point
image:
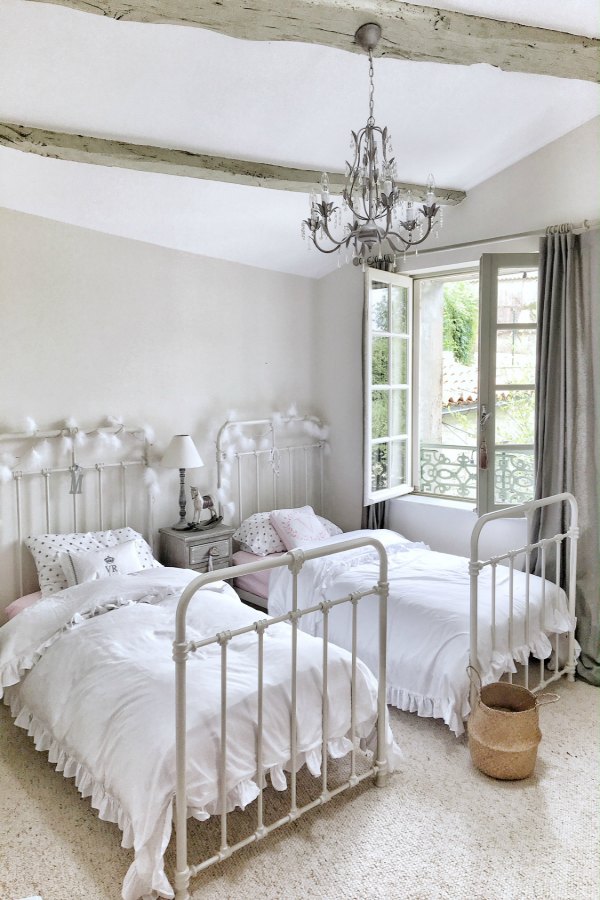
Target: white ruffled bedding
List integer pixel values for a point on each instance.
(428, 619)
(89, 674)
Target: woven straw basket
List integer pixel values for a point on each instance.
(504, 730)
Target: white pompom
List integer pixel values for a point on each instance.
(292, 411)
(30, 426)
(5, 474)
(43, 451)
(264, 443)
(230, 453)
(81, 438)
(221, 495)
(66, 443)
(149, 433)
(151, 482)
(70, 423)
(277, 419)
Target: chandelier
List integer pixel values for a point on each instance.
(375, 215)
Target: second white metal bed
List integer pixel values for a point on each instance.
(498, 603)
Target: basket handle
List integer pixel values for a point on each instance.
(477, 685)
(545, 699)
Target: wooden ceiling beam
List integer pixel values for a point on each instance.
(102, 152)
(412, 32)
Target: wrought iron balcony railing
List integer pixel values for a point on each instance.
(450, 470)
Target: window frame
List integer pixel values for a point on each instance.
(370, 495)
(487, 269)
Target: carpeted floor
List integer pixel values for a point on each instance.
(439, 829)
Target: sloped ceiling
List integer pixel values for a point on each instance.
(286, 103)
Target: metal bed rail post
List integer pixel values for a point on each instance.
(476, 565)
(182, 648)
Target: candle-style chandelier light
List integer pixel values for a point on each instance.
(375, 217)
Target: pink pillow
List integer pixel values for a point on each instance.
(22, 603)
(296, 527)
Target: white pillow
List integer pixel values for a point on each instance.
(46, 548)
(332, 529)
(257, 535)
(88, 565)
(297, 526)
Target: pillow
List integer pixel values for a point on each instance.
(332, 529)
(46, 548)
(22, 603)
(257, 535)
(88, 565)
(296, 526)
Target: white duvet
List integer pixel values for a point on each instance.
(89, 673)
(428, 619)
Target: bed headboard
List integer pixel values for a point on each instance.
(69, 479)
(265, 464)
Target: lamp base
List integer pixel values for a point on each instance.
(181, 525)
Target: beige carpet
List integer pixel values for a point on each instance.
(439, 829)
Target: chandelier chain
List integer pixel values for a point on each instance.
(371, 90)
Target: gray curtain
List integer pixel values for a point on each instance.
(567, 412)
(375, 516)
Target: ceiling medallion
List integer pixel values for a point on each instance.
(375, 217)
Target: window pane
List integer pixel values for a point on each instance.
(380, 319)
(514, 481)
(379, 467)
(517, 295)
(397, 468)
(380, 360)
(515, 417)
(399, 309)
(379, 413)
(515, 357)
(399, 423)
(399, 360)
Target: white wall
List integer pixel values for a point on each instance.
(95, 325)
(559, 183)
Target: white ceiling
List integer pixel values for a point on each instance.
(292, 104)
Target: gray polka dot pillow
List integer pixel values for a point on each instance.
(47, 550)
(257, 535)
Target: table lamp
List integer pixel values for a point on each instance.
(181, 454)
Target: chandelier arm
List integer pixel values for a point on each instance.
(334, 249)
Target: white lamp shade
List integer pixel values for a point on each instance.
(181, 454)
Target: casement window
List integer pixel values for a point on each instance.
(449, 383)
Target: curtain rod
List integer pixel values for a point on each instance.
(586, 225)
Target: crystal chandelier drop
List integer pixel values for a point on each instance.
(375, 216)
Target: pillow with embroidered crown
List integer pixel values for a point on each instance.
(46, 549)
(88, 565)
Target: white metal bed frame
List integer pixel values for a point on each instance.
(182, 649)
(511, 558)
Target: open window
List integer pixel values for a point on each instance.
(449, 383)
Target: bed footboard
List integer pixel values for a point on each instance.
(542, 548)
(183, 649)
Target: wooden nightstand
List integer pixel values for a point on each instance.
(194, 549)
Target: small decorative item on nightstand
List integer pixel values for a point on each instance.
(198, 550)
